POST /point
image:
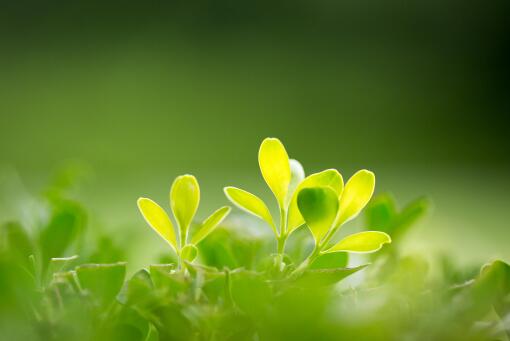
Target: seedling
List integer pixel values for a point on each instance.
(184, 200)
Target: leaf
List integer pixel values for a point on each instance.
(297, 175)
(17, 242)
(210, 224)
(325, 277)
(331, 260)
(381, 213)
(157, 218)
(358, 191)
(319, 207)
(250, 203)
(327, 178)
(189, 252)
(103, 281)
(410, 214)
(362, 242)
(184, 199)
(275, 168)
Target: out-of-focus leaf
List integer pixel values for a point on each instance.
(319, 207)
(327, 178)
(250, 292)
(362, 242)
(275, 168)
(210, 224)
(331, 260)
(189, 252)
(409, 215)
(324, 277)
(380, 213)
(491, 288)
(157, 218)
(138, 290)
(250, 203)
(16, 241)
(103, 281)
(66, 223)
(164, 277)
(297, 175)
(184, 200)
(357, 192)
(106, 251)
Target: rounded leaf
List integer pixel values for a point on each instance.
(275, 168)
(362, 242)
(327, 178)
(250, 203)
(357, 193)
(189, 252)
(210, 224)
(184, 199)
(319, 207)
(157, 218)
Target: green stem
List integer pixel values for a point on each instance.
(307, 262)
(281, 239)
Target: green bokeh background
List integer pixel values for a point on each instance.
(142, 92)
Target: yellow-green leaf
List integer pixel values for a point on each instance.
(157, 218)
(362, 242)
(184, 199)
(327, 178)
(250, 203)
(275, 168)
(189, 252)
(210, 224)
(297, 175)
(319, 207)
(357, 193)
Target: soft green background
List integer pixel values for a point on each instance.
(415, 91)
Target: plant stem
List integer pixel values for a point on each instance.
(281, 239)
(307, 262)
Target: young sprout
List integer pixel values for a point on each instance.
(325, 209)
(184, 200)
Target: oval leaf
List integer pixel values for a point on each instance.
(157, 218)
(319, 207)
(362, 242)
(250, 203)
(189, 252)
(275, 168)
(184, 199)
(297, 175)
(210, 224)
(358, 191)
(327, 178)
(103, 281)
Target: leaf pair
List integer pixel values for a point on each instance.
(325, 208)
(184, 201)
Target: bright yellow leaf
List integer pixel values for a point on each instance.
(275, 168)
(210, 224)
(157, 218)
(362, 242)
(184, 199)
(319, 207)
(357, 193)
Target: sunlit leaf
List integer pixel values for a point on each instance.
(327, 178)
(157, 218)
(362, 242)
(184, 199)
(297, 175)
(357, 192)
(189, 252)
(250, 203)
(103, 281)
(319, 207)
(210, 224)
(275, 168)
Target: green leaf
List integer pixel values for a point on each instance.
(103, 281)
(210, 224)
(275, 168)
(357, 193)
(324, 277)
(380, 213)
(250, 203)
(327, 178)
(17, 242)
(331, 260)
(157, 218)
(189, 252)
(184, 199)
(409, 215)
(297, 175)
(319, 207)
(362, 242)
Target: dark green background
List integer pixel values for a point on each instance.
(416, 91)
